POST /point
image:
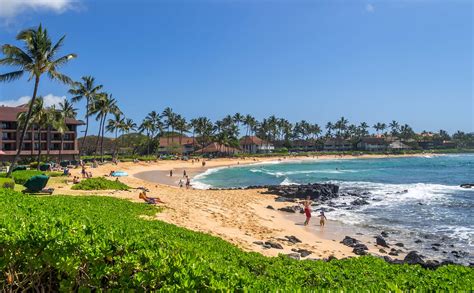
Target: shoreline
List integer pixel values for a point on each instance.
(240, 217)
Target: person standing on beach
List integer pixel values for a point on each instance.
(171, 173)
(307, 209)
(188, 182)
(322, 219)
(184, 173)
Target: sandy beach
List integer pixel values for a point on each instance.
(238, 216)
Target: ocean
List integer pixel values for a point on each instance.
(412, 198)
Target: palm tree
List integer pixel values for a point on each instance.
(65, 111)
(363, 129)
(395, 128)
(103, 105)
(250, 122)
(38, 58)
(147, 127)
(377, 127)
(329, 129)
(89, 91)
(170, 121)
(113, 126)
(181, 126)
(238, 118)
(341, 126)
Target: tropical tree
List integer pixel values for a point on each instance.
(114, 126)
(88, 90)
(170, 121)
(341, 126)
(394, 127)
(38, 57)
(181, 126)
(65, 111)
(250, 122)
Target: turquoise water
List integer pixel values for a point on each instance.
(413, 198)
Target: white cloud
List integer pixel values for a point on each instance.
(370, 8)
(11, 8)
(49, 100)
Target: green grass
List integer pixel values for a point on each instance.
(22, 176)
(60, 243)
(100, 183)
(7, 183)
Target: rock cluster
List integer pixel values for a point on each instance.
(315, 191)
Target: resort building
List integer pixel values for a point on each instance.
(177, 144)
(372, 144)
(337, 144)
(217, 149)
(398, 146)
(52, 143)
(255, 145)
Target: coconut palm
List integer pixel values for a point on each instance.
(395, 128)
(250, 122)
(38, 58)
(114, 126)
(65, 111)
(170, 120)
(329, 129)
(89, 91)
(181, 126)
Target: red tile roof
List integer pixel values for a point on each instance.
(246, 140)
(217, 148)
(9, 114)
(166, 141)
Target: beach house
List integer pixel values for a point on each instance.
(217, 149)
(372, 144)
(337, 145)
(177, 144)
(255, 145)
(51, 141)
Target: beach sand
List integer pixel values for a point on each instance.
(238, 216)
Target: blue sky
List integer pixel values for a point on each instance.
(371, 61)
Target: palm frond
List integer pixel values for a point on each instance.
(16, 53)
(63, 60)
(53, 74)
(7, 77)
(57, 46)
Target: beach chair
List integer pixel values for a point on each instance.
(37, 184)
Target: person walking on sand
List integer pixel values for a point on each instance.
(184, 173)
(188, 182)
(171, 173)
(181, 183)
(322, 219)
(307, 209)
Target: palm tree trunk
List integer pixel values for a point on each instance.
(87, 127)
(102, 139)
(61, 147)
(23, 131)
(39, 150)
(98, 137)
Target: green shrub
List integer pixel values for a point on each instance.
(100, 183)
(22, 176)
(76, 243)
(7, 183)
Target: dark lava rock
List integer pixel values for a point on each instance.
(266, 246)
(359, 202)
(467, 185)
(316, 191)
(381, 250)
(302, 252)
(435, 248)
(293, 239)
(290, 209)
(258, 242)
(436, 244)
(359, 251)
(331, 257)
(274, 245)
(384, 234)
(418, 241)
(349, 241)
(270, 207)
(381, 241)
(294, 256)
(399, 244)
(393, 253)
(431, 264)
(413, 258)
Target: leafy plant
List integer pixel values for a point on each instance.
(7, 183)
(63, 243)
(100, 183)
(21, 176)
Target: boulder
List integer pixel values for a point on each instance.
(379, 240)
(315, 191)
(359, 202)
(384, 234)
(413, 258)
(381, 250)
(302, 252)
(270, 207)
(290, 209)
(293, 239)
(258, 242)
(399, 244)
(294, 256)
(349, 241)
(467, 185)
(274, 244)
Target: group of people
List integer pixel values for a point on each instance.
(307, 211)
(184, 181)
(85, 173)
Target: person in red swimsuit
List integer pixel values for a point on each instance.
(307, 209)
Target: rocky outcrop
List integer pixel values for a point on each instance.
(315, 191)
(379, 240)
(467, 185)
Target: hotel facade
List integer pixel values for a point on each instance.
(51, 142)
